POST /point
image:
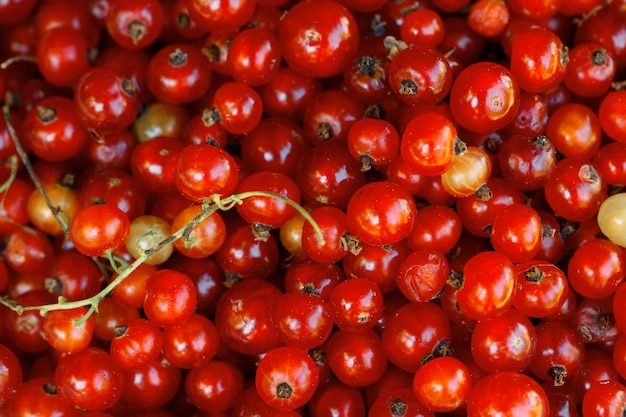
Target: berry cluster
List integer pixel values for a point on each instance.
(314, 208)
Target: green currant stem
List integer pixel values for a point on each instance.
(238, 198)
(207, 210)
(5, 186)
(31, 172)
(20, 58)
(118, 264)
(12, 175)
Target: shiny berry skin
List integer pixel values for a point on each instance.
(153, 164)
(487, 295)
(366, 78)
(491, 345)
(436, 228)
(422, 275)
(38, 396)
(64, 334)
(597, 268)
(236, 106)
(286, 378)
(13, 375)
(507, 393)
(215, 386)
(560, 352)
(196, 132)
(288, 93)
(53, 129)
(25, 330)
(276, 145)
(303, 320)
(152, 386)
(16, 10)
(424, 27)
(428, 144)
(527, 162)
(330, 115)
(356, 304)
(62, 56)
(409, 341)
(203, 170)
(254, 57)
(488, 17)
(305, 275)
(356, 358)
(532, 116)
(192, 343)
(329, 175)
(249, 301)
(106, 101)
(399, 400)
(374, 142)
(205, 238)
(318, 38)
(244, 255)
(336, 241)
(542, 288)
(604, 398)
(221, 16)
(420, 74)
(264, 210)
(484, 97)
(516, 232)
(335, 398)
(115, 187)
(179, 73)
(611, 115)
(468, 172)
(409, 178)
(99, 228)
(136, 344)
(170, 298)
(538, 60)
(89, 379)
(442, 384)
(591, 70)
(381, 213)
(575, 190)
(135, 24)
(575, 131)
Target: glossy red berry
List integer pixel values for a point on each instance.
(484, 97)
(254, 57)
(263, 210)
(286, 378)
(89, 379)
(170, 298)
(53, 129)
(106, 100)
(221, 16)
(203, 170)
(381, 213)
(538, 60)
(135, 24)
(236, 106)
(318, 38)
(63, 56)
(482, 295)
(178, 73)
(99, 228)
(419, 74)
(68, 331)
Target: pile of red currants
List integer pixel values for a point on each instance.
(314, 208)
